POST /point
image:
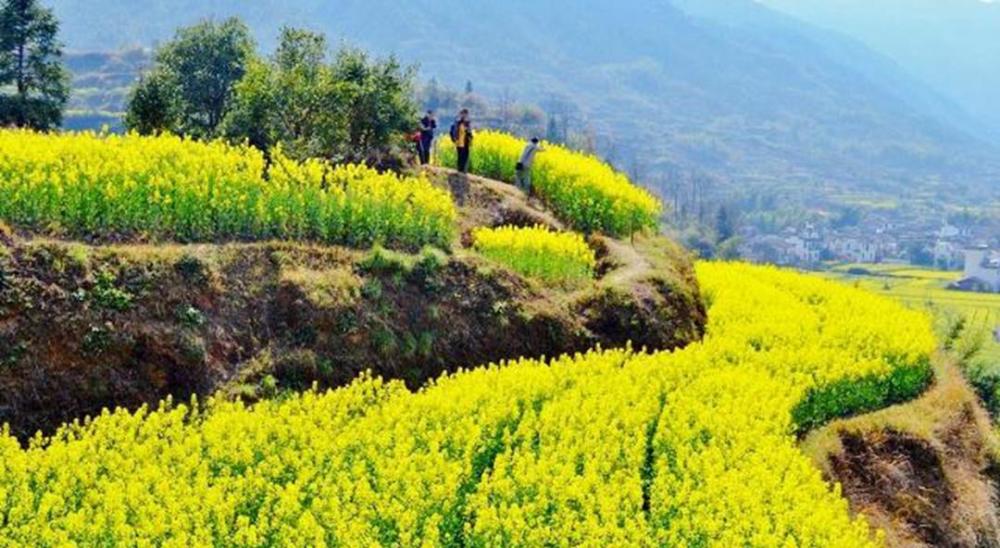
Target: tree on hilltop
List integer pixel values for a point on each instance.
(153, 105)
(191, 87)
(209, 83)
(31, 66)
(289, 100)
(347, 107)
(378, 101)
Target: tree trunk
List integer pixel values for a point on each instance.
(22, 84)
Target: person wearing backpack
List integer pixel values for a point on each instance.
(461, 136)
(427, 126)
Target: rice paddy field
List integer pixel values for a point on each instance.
(928, 290)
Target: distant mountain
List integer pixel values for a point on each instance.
(726, 87)
(101, 83)
(954, 45)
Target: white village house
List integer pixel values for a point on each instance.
(982, 270)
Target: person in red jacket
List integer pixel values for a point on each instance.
(415, 139)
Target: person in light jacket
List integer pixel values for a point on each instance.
(523, 168)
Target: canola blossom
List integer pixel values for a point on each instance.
(168, 188)
(538, 252)
(584, 191)
(694, 447)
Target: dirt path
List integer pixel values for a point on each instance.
(633, 266)
(642, 282)
(486, 201)
(504, 200)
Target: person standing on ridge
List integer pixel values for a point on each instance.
(523, 169)
(428, 124)
(461, 135)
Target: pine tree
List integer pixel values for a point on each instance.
(31, 66)
(468, 87)
(725, 226)
(552, 134)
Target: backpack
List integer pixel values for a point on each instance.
(454, 132)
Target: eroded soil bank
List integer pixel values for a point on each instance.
(87, 327)
(924, 472)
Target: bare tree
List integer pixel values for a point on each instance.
(505, 106)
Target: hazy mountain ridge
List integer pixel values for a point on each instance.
(875, 67)
(752, 97)
(953, 45)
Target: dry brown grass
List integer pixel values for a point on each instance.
(6, 236)
(922, 471)
(324, 288)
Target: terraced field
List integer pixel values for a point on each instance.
(691, 448)
(927, 290)
(696, 444)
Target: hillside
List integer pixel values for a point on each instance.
(190, 300)
(297, 354)
(101, 82)
(285, 331)
(776, 105)
(611, 448)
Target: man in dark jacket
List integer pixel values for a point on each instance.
(427, 126)
(461, 135)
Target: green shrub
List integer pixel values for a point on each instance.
(854, 396)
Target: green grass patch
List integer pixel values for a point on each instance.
(854, 396)
(538, 252)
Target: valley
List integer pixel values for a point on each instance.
(455, 274)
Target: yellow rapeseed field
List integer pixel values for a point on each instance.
(584, 191)
(538, 252)
(127, 187)
(691, 448)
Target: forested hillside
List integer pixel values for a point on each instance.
(954, 46)
(752, 97)
(101, 82)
